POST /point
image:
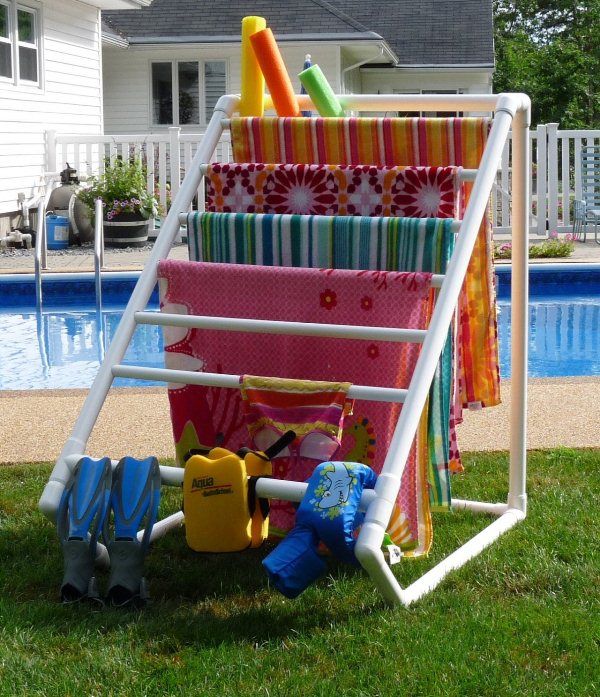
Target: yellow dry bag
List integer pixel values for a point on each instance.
(222, 511)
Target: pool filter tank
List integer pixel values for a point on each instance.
(64, 202)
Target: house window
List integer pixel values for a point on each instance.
(19, 43)
(27, 44)
(5, 42)
(162, 93)
(214, 85)
(185, 92)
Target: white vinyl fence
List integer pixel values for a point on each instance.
(555, 176)
(555, 179)
(167, 156)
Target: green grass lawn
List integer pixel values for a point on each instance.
(523, 618)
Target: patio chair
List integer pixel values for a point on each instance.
(587, 210)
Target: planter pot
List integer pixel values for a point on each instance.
(126, 230)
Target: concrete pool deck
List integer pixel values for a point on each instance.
(34, 425)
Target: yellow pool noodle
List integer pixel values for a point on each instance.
(252, 102)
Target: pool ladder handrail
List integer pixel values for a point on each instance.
(41, 245)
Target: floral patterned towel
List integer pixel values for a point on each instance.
(411, 192)
(379, 244)
(302, 295)
(389, 142)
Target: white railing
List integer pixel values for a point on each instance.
(555, 179)
(555, 174)
(167, 156)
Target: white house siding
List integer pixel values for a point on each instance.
(68, 100)
(127, 76)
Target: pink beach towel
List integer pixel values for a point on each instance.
(387, 299)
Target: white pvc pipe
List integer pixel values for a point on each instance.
(265, 488)
(436, 279)
(407, 102)
(465, 175)
(80, 434)
(292, 491)
(517, 497)
(189, 377)
(479, 506)
(265, 326)
(162, 527)
(368, 548)
(458, 558)
(171, 476)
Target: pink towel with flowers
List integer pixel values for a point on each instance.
(388, 299)
(366, 190)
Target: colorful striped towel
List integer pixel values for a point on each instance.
(301, 295)
(390, 142)
(314, 410)
(378, 244)
(409, 192)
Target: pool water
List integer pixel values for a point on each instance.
(63, 348)
(63, 345)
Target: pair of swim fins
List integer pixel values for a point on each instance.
(130, 496)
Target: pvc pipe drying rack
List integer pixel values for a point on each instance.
(510, 110)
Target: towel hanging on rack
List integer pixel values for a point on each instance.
(309, 295)
(409, 192)
(395, 244)
(433, 142)
(313, 410)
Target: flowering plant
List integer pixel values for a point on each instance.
(122, 188)
(553, 247)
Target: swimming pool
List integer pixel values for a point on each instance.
(62, 346)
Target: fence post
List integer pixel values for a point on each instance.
(50, 145)
(541, 182)
(174, 159)
(552, 129)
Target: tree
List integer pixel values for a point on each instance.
(550, 49)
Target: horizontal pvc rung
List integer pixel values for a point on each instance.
(465, 175)
(169, 475)
(265, 488)
(436, 279)
(189, 377)
(480, 506)
(263, 326)
(294, 491)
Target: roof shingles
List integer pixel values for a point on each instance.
(427, 32)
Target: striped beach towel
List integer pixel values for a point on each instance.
(378, 244)
(431, 142)
(314, 410)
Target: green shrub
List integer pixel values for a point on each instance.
(551, 249)
(122, 188)
(548, 249)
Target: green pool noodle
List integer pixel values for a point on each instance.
(319, 90)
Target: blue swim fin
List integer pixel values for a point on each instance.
(81, 516)
(134, 502)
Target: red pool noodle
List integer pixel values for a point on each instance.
(276, 75)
